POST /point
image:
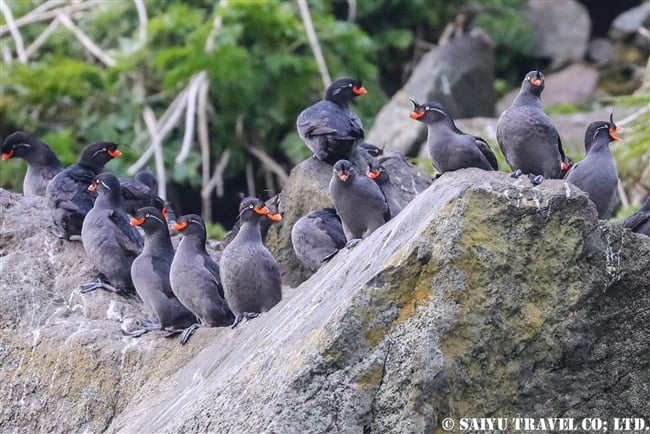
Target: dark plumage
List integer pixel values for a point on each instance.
(150, 274)
(450, 148)
(639, 222)
(527, 138)
(596, 174)
(250, 275)
(378, 173)
(317, 236)
(358, 201)
(67, 194)
(328, 127)
(195, 277)
(42, 164)
(140, 192)
(110, 242)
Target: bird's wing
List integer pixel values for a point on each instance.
(487, 152)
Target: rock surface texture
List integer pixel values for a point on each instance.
(485, 296)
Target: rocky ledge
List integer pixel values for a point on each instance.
(486, 296)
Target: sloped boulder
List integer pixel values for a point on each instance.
(486, 296)
(458, 74)
(307, 190)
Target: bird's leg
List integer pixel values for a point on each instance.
(99, 283)
(536, 179)
(352, 243)
(171, 332)
(147, 326)
(189, 332)
(516, 174)
(149, 323)
(241, 316)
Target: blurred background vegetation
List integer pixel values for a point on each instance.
(251, 61)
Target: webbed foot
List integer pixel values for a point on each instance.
(241, 316)
(516, 174)
(330, 256)
(91, 286)
(189, 332)
(536, 179)
(352, 243)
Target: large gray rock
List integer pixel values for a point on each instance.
(629, 22)
(484, 296)
(575, 84)
(561, 29)
(458, 75)
(307, 190)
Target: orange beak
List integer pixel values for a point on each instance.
(262, 211)
(417, 115)
(275, 217)
(564, 166)
(536, 82)
(374, 174)
(613, 131)
(116, 153)
(164, 213)
(179, 226)
(7, 155)
(92, 187)
(359, 90)
(137, 222)
(343, 177)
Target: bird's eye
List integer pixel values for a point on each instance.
(350, 85)
(147, 215)
(251, 206)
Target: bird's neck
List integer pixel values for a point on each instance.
(524, 97)
(250, 231)
(158, 242)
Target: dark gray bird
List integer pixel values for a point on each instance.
(639, 222)
(150, 275)
(358, 201)
(450, 148)
(379, 174)
(67, 194)
(250, 274)
(195, 277)
(328, 127)
(527, 138)
(596, 174)
(140, 192)
(42, 164)
(317, 236)
(110, 242)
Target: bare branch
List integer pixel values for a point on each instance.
(190, 114)
(634, 116)
(142, 16)
(15, 33)
(270, 164)
(352, 10)
(216, 27)
(217, 177)
(156, 144)
(204, 144)
(165, 124)
(42, 38)
(250, 179)
(85, 41)
(33, 17)
(313, 42)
